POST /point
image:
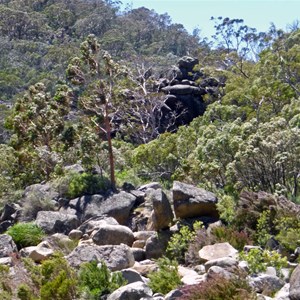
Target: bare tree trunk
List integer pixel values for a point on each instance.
(110, 149)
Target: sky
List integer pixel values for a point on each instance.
(196, 13)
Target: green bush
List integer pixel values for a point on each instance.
(258, 260)
(24, 292)
(54, 279)
(96, 281)
(180, 241)
(227, 208)
(26, 234)
(288, 228)
(166, 278)
(263, 228)
(5, 288)
(86, 183)
(219, 288)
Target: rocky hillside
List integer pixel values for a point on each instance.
(166, 244)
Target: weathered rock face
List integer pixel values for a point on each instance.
(156, 245)
(96, 222)
(132, 291)
(53, 221)
(295, 284)
(216, 271)
(9, 212)
(216, 251)
(7, 245)
(223, 262)
(267, 283)
(162, 214)
(190, 201)
(117, 206)
(38, 253)
(113, 235)
(116, 257)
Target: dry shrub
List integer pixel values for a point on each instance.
(219, 288)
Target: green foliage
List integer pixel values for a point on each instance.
(86, 183)
(166, 278)
(5, 289)
(180, 241)
(227, 208)
(8, 165)
(37, 120)
(97, 281)
(26, 234)
(54, 278)
(263, 228)
(258, 260)
(24, 292)
(219, 288)
(288, 228)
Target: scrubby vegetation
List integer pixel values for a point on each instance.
(166, 278)
(219, 288)
(26, 234)
(81, 85)
(98, 281)
(54, 278)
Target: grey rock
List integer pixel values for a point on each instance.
(295, 284)
(9, 212)
(53, 221)
(218, 250)
(116, 257)
(131, 276)
(43, 190)
(271, 271)
(143, 235)
(7, 245)
(139, 244)
(174, 294)
(223, 262)
(76, 168)
(138, 254)
(283, 293)
(187, 62)
(190, 201)
(38, 253)
(75, 234)
(132, 291)
(5, 225)
(7, 261)
(113, 235)
(190, 276)
(182, 89)
(117, 206)
(218, 271)
(145, 267)
(157, 245)
(151, 185)
(247, 248)
(96, 222)
(162, 214)
(264, 282)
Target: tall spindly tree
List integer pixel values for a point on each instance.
(98, 80)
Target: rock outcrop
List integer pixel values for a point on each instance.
(190, 201)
